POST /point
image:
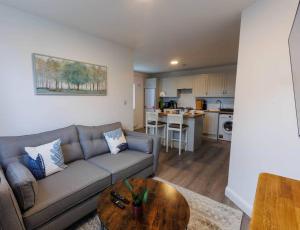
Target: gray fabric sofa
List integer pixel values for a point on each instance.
(66, 196)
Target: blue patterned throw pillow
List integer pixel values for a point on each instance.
(56, 154)
(116, 141)
(45, 160)
(35, 166)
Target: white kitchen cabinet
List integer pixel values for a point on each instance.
(203, 85)
(200, 85)
(215, 85)
(210, 124)
(229, 84)
(169, 86)
(184, 82)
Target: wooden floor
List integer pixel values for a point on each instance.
(204, 171)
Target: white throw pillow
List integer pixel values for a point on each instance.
(116, 141)
(51, 156)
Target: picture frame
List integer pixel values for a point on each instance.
(60, 76)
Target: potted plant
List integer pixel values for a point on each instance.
(161, 104)
(138, 198)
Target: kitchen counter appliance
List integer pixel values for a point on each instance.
(201, 104)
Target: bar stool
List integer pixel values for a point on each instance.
(175, 123)
(152, 121)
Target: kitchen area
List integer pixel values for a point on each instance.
(208, 97)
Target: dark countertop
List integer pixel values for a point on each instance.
(217, 111)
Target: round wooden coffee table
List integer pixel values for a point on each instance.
(166, 208)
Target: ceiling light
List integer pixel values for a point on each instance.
(174, 62)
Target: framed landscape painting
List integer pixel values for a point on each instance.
(59, 76)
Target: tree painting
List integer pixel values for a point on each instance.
(58, 76)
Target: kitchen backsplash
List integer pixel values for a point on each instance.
(188, 100)
(226, 103)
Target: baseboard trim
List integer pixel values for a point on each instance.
(239, 201)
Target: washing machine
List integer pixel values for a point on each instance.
(225, 127)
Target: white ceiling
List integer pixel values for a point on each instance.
(199, 33)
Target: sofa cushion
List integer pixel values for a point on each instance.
(143, 144)
(23, 184)
(92, 139)
(12, 148)
(116, 141)
(123, 165)
(65, 189)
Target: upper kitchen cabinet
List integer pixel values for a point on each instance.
(215, 85)
(203, 85)
(200, 85)
(229, 84)
(168, 86)
(184, 82)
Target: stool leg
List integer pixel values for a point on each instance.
(186, 139)
(180, 141)
(164, 135)
(167, 147)
(172, 139)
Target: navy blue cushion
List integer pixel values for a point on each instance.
(36, 167)
(122, 147)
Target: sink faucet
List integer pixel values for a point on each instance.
(220, 102)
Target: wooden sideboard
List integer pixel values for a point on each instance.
(277, 203)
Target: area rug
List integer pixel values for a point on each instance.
(205, 213)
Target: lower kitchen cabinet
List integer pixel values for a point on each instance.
(210, 124)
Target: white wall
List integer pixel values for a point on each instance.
(22, 112)
(265, 137)
(139, 81)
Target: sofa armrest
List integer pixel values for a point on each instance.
(155, 148)
(142, 144)
(23, 184)
(10, 214)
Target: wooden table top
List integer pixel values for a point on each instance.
(277, 203)
(185, 115)
(166, 208)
